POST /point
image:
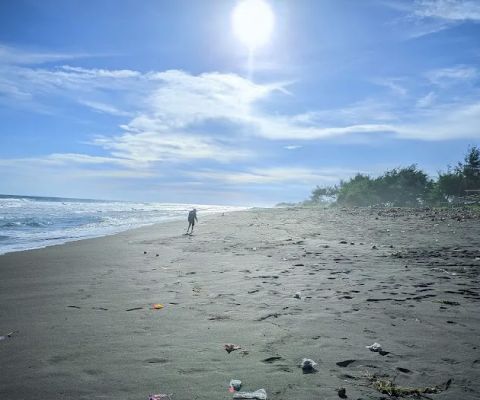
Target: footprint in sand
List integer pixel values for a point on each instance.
(271, 360)
(345, 363)
(157, 360)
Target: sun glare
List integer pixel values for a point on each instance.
(252, 22)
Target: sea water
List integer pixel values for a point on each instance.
(28, 222)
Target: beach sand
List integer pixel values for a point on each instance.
(84, 327)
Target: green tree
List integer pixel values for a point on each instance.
(471, 168)
(465, 176)
(402, 187)
(358, 191)
(324, 194)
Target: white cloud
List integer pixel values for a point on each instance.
(10, 55)
(292, 147)
(101, 73)
(277, 175)
(426, 101)
(451, 10)
(147, 148)
(452, 75)
(105, 108)
(394, 85)
(168, 115)
(182, 98)
(75, 166)
(444, 123)
(425, 17)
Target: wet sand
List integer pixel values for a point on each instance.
(84, 327)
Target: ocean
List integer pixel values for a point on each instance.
(28, 222)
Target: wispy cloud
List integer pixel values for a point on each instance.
(149, 147)
(11, 55)
(394, 84)
(425, 17)
(450, 10)
(452, 75)
(105, 108)
(276, 175)
(445, 122)
(426, 101)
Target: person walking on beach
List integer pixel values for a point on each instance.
(192, 217)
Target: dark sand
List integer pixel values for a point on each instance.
(417, 294)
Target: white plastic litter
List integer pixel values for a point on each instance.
(308, 365)
(236, 384)
(376, 347)
(259, 394)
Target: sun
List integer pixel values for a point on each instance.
(252, 22)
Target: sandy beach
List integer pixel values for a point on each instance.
(283, 284)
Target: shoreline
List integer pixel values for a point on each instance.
(84, 326)
(70, 240)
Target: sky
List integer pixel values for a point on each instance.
(162, 100)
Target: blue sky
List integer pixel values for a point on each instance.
(155, 100)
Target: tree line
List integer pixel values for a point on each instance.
(407, 187)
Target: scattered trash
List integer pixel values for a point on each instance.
(144, 252)
(270, 315)
(376, 347)
(386, 385)
(8, 335)
(444, 270)
(342, 393)
(374, 247)
(254, 248)
(159, 397)
(448, 302)
(156, 255)
(308, 366)
(259, 394)
(77, 307)
(231, 347)
(134, 309)
(343, 242)
(297, 295)
(158, 306)
(235, 385)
